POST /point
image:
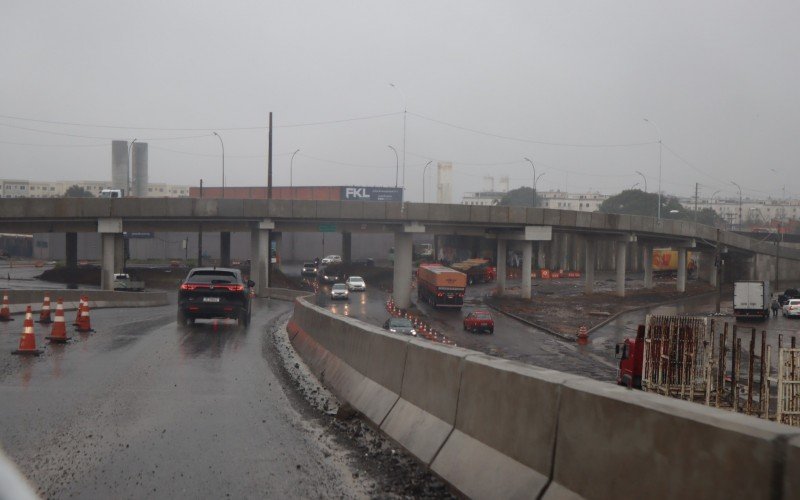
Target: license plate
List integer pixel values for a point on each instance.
(449, 295)
(210, 299)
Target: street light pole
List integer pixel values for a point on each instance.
(644, 179)
(740, 204)
(533, 204)
(397, 165)
(405, 115)
(223, 162)
(424, 170)
(291, 165)
(658, 130)
(536, 180)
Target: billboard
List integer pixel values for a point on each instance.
(372, 193)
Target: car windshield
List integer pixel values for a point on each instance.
(794, 302)
(399, 323)
(339, 286)
(482, 315)
(356, 279)
(308, 265)
(212, 277)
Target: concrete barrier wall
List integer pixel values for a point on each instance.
(495, 428)
(20, 299)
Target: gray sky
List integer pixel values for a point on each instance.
(548, 80)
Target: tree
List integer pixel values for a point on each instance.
(75, 191)
(637, 202)
(520, 197)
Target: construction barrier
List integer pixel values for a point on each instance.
(19, 299)
(518, 431)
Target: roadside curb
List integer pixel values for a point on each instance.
(602, 323)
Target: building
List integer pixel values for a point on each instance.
(581, 202)
(18, 188)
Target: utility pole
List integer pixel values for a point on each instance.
(269, 197)
(200, 234)
(696, 192)
(718, 270)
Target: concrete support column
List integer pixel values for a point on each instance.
(107, 268)
(712, 269)
(225, 249)
(647, 263)
(278, 239)
(681, 283)
(501, 267)
(401, 288)
(347, 245)
(259, 256)
(621, 261)
(72, 249)
(541, 250)
(527, 257)
(591, 260)
(119, 253)
(564, 264)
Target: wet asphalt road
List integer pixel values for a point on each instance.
(144, 408)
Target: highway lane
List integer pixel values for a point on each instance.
(145, 408)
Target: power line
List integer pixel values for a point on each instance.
(191, 129)
(105, 145)
(64, 134)
(530, 141)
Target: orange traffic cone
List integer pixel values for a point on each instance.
(44, 314)
(59, 331)
(84, 323)
(5, 312)
(80, 308)
(27, 343)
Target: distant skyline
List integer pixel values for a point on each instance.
(567, 84)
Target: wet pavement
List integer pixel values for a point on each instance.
(145, 408)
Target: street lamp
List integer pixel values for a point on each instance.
(659, 164)
(424, 170)
(533, 204)
(644, 179)
(223, 162)
(405, 114)
(291, 163)
(130, 172)
(397, 165)
(740, 204)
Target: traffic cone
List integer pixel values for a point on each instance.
(80, 308)
(44, 314)
(59, 331)
(84, 322)
(27, 343)
(5, 312)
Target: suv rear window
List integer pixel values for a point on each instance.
(212, 277)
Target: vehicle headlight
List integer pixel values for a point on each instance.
(392, 330)
(414, 333)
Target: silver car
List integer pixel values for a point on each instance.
(356, 284)
(339, 291)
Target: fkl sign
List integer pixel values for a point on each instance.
(372, 193)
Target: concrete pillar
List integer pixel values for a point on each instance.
(72, 249)
(401, 288)
(501, 267)
(621, 261)
(541, 253)
(712, 269)
(681, 283)
(647, 263)
(591, 258)
(119, 253)
(225, 249)
(259, 258)
(347, 245)
(278, 239)
(527, 257)
(107, 268)
(564, 252)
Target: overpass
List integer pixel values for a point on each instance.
(510, 227)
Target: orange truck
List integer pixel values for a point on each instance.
(477, 270)
(441, 286)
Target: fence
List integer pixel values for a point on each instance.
(689, 358)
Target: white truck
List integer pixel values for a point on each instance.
(751, 299)
(124, 283)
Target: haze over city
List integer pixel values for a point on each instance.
(567, 84)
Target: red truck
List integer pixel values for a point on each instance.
(477, 270)
(631, 358)
(441, 286)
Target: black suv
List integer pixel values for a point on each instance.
(309, 270)
(214, 292)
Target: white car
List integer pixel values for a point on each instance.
(332, 259)
(356, 284)
(791, 309)
(339, 291)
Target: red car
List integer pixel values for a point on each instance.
(479, 321)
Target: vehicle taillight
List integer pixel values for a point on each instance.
(235, 288)
(187, 286)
